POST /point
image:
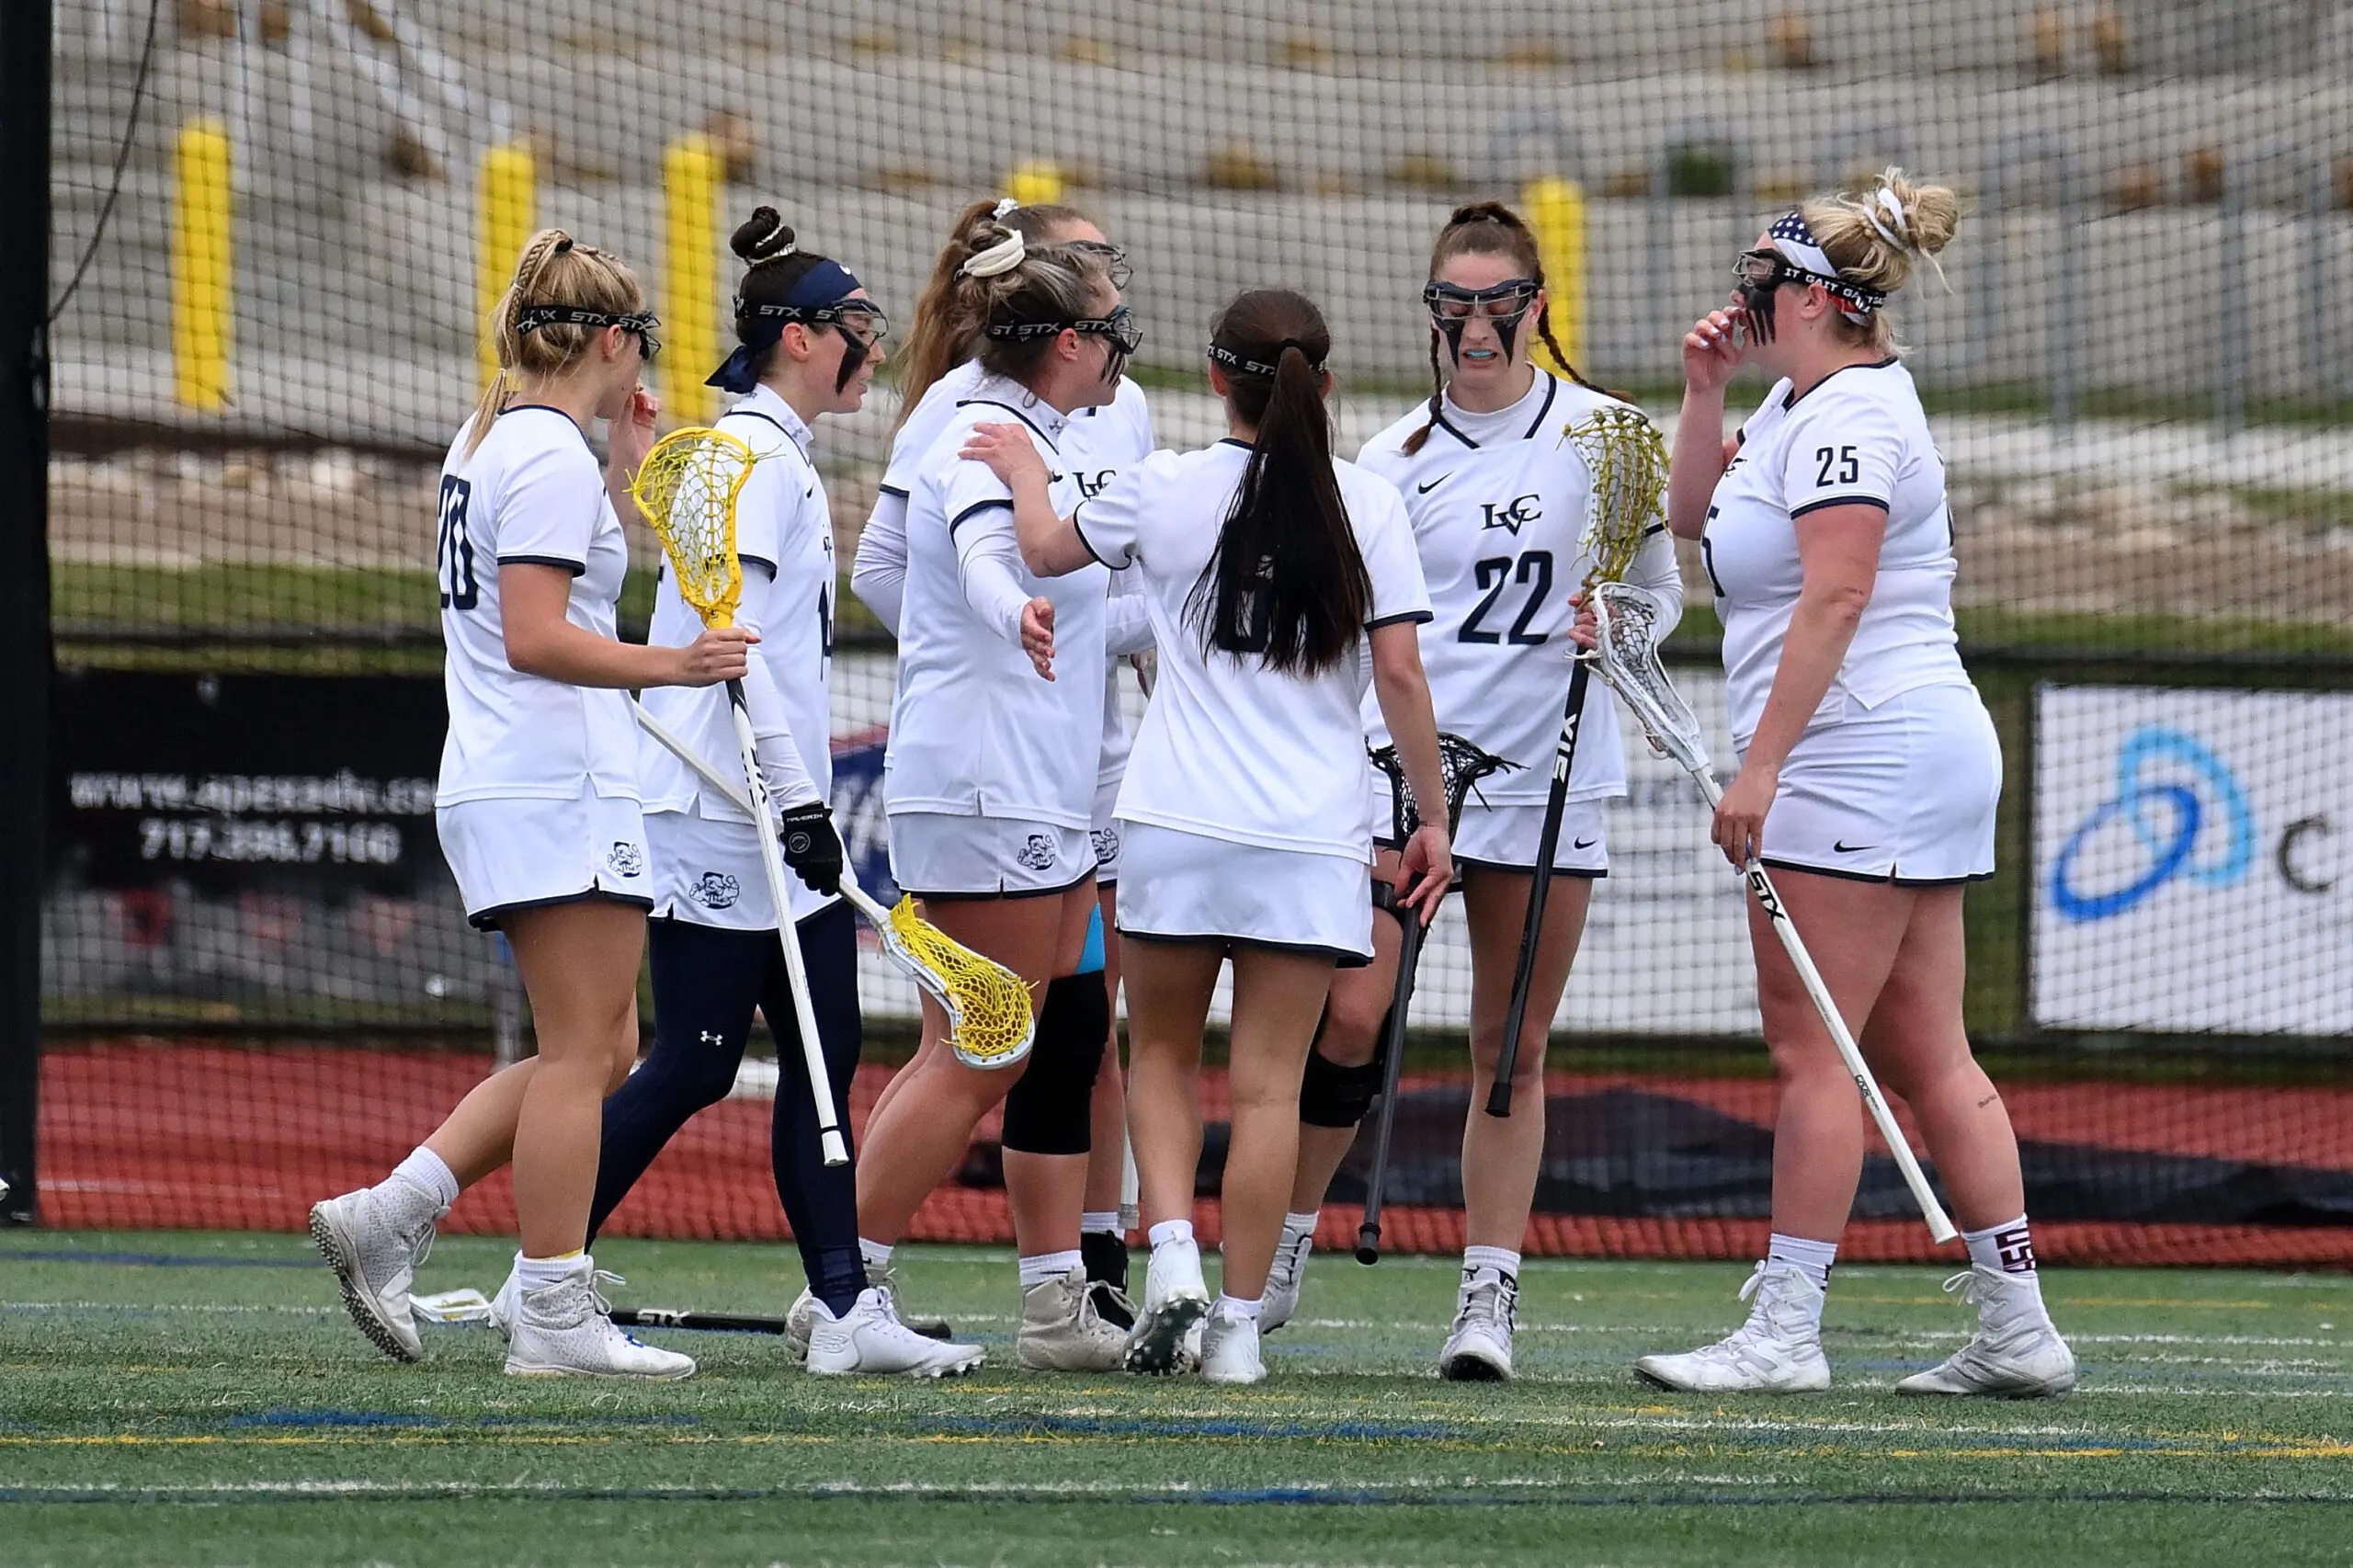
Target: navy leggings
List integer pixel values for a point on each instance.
(706, 982)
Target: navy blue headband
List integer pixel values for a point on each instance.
(816, 297)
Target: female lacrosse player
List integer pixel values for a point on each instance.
(808, 338)
(1280, 582)
(989, 778)
(538, 805)
(1869, 775)
(1100, 441)
(1498, 497)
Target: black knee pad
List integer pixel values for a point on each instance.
(1051, 1110)
(1334, 1095)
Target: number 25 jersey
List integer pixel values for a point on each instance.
(1859, 438)
(1497, 503)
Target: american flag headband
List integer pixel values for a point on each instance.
(1802, 258)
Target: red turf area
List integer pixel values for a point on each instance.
(166, 1136)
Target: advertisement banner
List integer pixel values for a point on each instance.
(2193, 860)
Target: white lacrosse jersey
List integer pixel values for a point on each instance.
(1116, 432)
(974, 730)
(1229, 748)
(1498, 507)
(1859, 436)
(784, 537)
(533, 493)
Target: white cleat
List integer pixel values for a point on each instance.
(1230, 1350)
(374, 1239)
(2016, 1354)
(871, 1342)
(564, 1331)
(1176, 1300)
(1063, 1332)
(1777, 1350)
(1479, 1350)
(887, 1277)
(1280, 1303)
(507, 1304)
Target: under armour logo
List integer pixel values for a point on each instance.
(2016, 1249)
(713, 1037)
(1518, 510)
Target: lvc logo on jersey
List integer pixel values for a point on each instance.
(716, 890)
(1090, 485)
(1518, 510)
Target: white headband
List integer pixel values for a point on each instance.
(1005, 204)
(1003, 256)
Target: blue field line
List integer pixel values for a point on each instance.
(154, 1259)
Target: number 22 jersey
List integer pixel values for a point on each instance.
(1498, 507)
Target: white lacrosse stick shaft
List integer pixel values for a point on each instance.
(1675, 733)
(753, 803)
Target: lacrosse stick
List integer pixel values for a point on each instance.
(1626, 651)
(1627, 462)
(1463, 765)
(687, 487)
(989, 1024)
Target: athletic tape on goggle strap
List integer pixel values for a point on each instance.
(1243, 361)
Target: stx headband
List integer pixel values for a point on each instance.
(1262, 361)
(532, 318)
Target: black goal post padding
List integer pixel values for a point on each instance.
(24, 655)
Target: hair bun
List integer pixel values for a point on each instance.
(1484, 212)
(764, 236)
(1922, 217)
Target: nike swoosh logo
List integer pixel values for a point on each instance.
(1843, 848)
(1586, 843)
(1433, 484)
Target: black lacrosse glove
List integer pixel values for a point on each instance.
(812, 847)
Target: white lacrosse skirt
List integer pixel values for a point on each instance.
(511, 854)
(1188, 887)
(936, 854)
(1904, 792)
(708, 871)
(1504, 838)
(1108, 834)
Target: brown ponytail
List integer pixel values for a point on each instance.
(1287, 581)
(941, 337)
(1488, 228)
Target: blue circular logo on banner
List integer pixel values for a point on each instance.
(2168, 817)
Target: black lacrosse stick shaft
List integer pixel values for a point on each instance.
(1392, 1061)
(1540, 887)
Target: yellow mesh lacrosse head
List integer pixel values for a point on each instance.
(687, 488)
(1628, 460)
(988, 1008)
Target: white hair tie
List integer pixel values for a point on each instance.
(1005, 204)
(1892, 205)
(1003, 256)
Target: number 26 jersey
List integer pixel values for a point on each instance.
(1497, 503)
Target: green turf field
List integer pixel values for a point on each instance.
(183, 1398)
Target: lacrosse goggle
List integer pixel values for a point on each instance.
(1760, 273)
(820, 300)
(639, 324)
(1112, 258)
(1505, 307)
(1119, 330)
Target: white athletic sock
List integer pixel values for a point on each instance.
(1501, 1259)
(1105, 1222)
(1235, 1307)
(1168, 1231)
(539, 1273)
(1042, 1266)
(1814, 1258)
(427, 1172)
(2008, 1250)
(875, 1254)
(1301, 1224)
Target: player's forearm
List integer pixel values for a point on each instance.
(1696, 462)
(1821, 630)
(1050, 545)
(557, 650)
